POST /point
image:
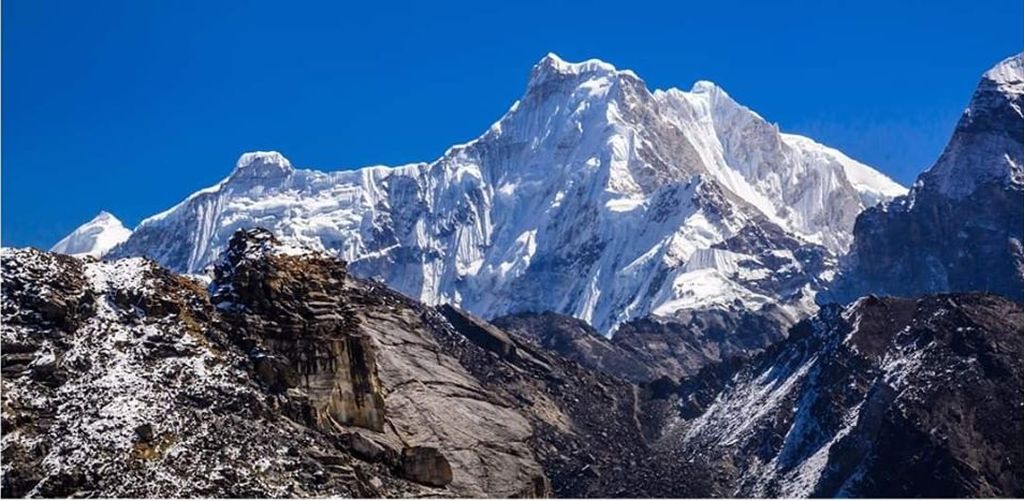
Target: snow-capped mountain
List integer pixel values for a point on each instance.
(592, 196)
(961, 227)
(94, 238)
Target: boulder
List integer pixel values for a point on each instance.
(425, 465)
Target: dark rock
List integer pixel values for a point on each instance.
(679, 347)
(289, 311)
(479, 332)
(576, 340)
(367, 448)
(425, 465)
(145, 433)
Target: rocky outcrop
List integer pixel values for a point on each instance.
(364, 357)
(426, 465)
(287, 311)
(480, 332)
(962, 225)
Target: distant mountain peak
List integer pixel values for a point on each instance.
(706, 86)
(262, 165)
(94, 238)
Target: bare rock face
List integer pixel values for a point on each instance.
(288, 313)
(345, 353)
(432, 400)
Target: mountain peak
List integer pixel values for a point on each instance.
(104, 216)
(705, 86)
(95, 237)
(716, 95)
(262, 165)
(986, 145)
(555, 63)
(552, 65)
(1009, 73)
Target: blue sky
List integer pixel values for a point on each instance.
(130, 106)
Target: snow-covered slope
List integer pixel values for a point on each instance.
(94, 238)
(590, 197)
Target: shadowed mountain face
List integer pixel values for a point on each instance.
(961, 226)
(885, 398)
(651, 348)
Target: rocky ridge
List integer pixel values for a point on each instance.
(296, 377)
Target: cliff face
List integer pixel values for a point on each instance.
(290, 314)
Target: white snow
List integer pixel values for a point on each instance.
(94, 238)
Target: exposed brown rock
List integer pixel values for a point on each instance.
(289, 312)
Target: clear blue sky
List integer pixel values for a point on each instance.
(129, 106)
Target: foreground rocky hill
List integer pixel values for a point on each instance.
(289, 378)
(285, 376)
